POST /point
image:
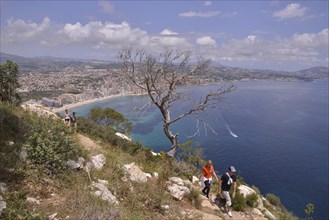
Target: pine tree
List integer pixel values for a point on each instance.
(9, 83)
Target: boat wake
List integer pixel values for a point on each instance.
(231, 132)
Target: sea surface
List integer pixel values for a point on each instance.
(275, 133)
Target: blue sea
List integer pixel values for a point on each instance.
(275, 133)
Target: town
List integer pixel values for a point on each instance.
(78, 84)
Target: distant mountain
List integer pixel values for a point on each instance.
(221, 72)
(218, 72)
(320, 71)
(48, 64)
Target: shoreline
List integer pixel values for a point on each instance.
(90, 101)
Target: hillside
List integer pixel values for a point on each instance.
(217, 72)
(53, 64)
(50, 172)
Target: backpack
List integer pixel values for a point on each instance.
(72, 119)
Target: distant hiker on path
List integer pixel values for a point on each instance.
(208, 172)
(227, 180)
(67, 118)
(74, 121)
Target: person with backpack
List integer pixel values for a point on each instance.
(74, 121)
(227, 180)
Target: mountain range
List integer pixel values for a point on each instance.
(48, 64)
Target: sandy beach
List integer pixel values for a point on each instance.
(89, 101)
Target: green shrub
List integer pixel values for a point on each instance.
(13, 129)
(51, 143)
(239, 203)
(273, 199)
(190, 154)
(17, 207)
(194, 198)
(251, 200)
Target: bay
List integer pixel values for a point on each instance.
(274, 132)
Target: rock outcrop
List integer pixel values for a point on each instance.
(103, 192)
(3, 189)
(177, 188)
(135, 173)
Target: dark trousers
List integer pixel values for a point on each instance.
(206, 189)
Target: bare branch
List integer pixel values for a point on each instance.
(161, 76)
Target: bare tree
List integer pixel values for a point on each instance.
(160, 78)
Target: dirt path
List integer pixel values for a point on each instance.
(88, 143)
(213, 210)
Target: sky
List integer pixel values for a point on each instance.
(278, 35)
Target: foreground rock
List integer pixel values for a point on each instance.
(76, 164)
(135, 173)
(260, 211)
(2, 204)
(122, 136)
(98, 161)
(177, 188)
(246, 190)
(103, 192)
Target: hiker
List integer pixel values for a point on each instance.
(74, 121)
(208, 172)
(227, 180)
(67, 118)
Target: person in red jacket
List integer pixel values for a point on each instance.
(208, 172)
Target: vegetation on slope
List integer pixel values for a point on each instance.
(44, 176)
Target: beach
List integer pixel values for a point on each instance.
(89, 101)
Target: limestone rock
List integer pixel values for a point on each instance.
(178, 191)
(177, 188)
(260, 204)
(3, 187)
(53, 216)
(156, 175)
(256, 212)
(76, 164)
(2, 204)
(155, 154)
(104, 182)
(104, 192)
(165, 207)
(135, 173)
(32, 200)
(177, 180)
(122, 136)
(245, 190)
(268, 214)
(23, 154)
(98, 161)
(89, 166)
(195, 179)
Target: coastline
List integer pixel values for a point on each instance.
(89, 101)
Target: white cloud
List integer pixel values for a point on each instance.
(75, 32)
(106, 6)
(251, 38)
(229, 14)
(293, 10)
(207, 3)
(24, 30)
(306, 48)
(312, 40)
(206, 41)
(199, 14)
(168, 32)
(168, 41)
(97, 37)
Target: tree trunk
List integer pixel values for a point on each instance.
(173, 138)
